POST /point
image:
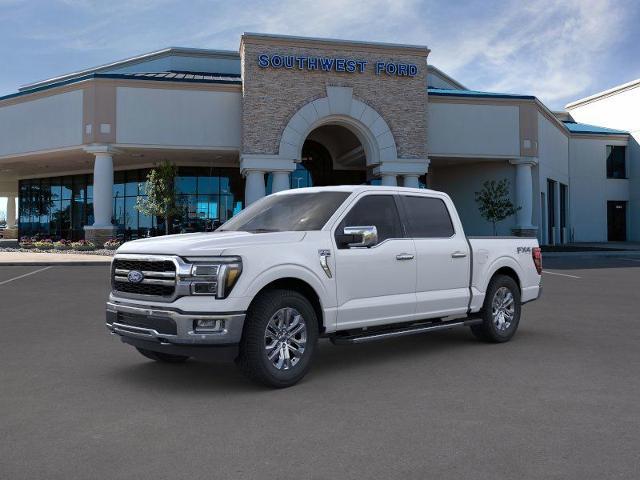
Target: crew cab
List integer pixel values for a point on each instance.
(353, 264)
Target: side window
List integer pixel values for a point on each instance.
(377, 210)
(427, 217)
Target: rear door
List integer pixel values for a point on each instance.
(443, 256)
(375, 285)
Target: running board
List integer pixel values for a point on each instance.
(374, 336)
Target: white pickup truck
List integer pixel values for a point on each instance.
(351, 263)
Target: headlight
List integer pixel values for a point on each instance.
(214, 275)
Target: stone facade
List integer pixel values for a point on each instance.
(271, 96)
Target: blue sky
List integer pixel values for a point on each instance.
(557, 50)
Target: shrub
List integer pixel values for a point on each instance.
(46, 244)
(62, 245)
(26, 242)
(83, 245)
(112, 244)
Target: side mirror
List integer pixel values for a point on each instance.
(358, 237)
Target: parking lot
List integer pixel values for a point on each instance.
(559, 401)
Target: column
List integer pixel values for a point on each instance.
(524, 196)
(411, 181)
(11, 211)
(389, 180)
(254, 186)
(280, 181)
(102, 229)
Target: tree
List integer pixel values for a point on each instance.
(494, 202)
(161, 196)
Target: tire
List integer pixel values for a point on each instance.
(279, 338)
(162, 357)
(499, 324)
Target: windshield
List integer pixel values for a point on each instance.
(279, 213)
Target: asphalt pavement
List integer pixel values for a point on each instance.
(561, 400)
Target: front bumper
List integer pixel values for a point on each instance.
(166, 326)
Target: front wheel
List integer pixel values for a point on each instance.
(279, 338)
(500, 312)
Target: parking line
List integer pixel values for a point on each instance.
(561, 274)
(25, 275)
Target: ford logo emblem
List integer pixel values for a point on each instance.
(135, 276)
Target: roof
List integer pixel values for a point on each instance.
(134, 60)
(355, 189)
(584, 128)
(171, 76)
(436, 71)
(476, 94)
(604, 93)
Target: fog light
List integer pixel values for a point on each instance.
(204, 288)
(209, 325)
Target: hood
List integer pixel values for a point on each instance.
(204, 244)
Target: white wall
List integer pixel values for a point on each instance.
(190, 118)
(590, 189)
(463, 180)
(620, 111)
(466, 129)
(42, 124)
(553, 163)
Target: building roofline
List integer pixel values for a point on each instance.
(133, 61)
(447, 77)
(416, 49)
(445, 92)
(117, 76)
(605, 93)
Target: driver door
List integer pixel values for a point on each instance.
(376, 284)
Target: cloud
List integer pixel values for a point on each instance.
(557, 50)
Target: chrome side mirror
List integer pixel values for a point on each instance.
(361, 236)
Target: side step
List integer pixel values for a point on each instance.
(413, 329)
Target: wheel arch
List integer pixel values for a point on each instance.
(504, 266)
(301, 286)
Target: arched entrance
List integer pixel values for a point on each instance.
(332, 155)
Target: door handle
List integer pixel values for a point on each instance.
(404, 256)
(458, 254)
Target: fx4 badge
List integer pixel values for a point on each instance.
(524, 250)
(324, 255)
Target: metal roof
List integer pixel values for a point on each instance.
(475, 93)
(585, 128)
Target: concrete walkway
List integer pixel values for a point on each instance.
(32, 258)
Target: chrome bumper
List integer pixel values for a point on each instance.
(122, 319)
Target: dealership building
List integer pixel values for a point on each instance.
(288, 112)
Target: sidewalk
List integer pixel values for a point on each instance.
(32, 258)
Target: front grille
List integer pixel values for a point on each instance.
(166, 326)
(159, 277)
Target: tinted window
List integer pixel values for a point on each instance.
(279, 213)
(427, 217)
(377, 210)
(616, 162)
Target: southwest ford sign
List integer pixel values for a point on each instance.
(334, 64)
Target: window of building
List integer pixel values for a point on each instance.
(60, 207)
(616, 161)
(375, 210)
(427, 217)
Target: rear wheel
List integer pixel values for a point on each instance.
(162, 357)
(279, 338)
(500, 312)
